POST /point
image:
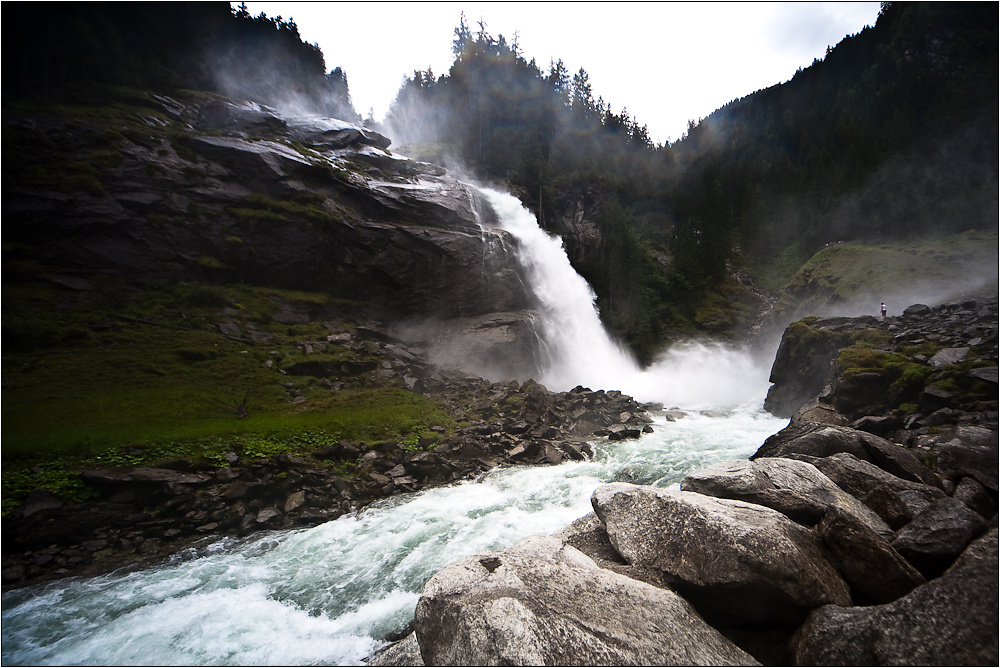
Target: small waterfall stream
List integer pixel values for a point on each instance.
(327, 595)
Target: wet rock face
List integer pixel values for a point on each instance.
(238, 193)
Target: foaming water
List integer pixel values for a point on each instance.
(329, 594)
(577, 350)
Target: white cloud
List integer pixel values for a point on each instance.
(666, 62)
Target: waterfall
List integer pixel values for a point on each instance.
(330, 594)
(577, 350)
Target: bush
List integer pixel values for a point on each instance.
(202, 296)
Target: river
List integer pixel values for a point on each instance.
(328, 595)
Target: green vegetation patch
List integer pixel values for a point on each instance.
(857, 273)
(807, 343)
(152, 381)
(262, 208)
(905, 377)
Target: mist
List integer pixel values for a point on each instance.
(269, 63)
(534, 130)
(576, 349)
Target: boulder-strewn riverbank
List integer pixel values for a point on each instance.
(144, 514)
(865, 533)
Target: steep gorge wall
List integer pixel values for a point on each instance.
(157, 190)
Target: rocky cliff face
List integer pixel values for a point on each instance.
(219, 191)
(921, 361)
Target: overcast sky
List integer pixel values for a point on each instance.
(666, 62)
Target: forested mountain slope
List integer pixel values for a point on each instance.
(893, 135)
(72, 52)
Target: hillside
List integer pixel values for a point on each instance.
(849, 279)
(889, 138)
(224, 319)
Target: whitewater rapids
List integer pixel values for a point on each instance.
(577, 350)
(330, 594)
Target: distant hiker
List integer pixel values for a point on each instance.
(883, 311)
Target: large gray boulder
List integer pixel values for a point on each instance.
(815, 439)
(863, 479)
(795, 488)
(493, 345)
(748, 560)
(823, 440)
(935, 537)
(589, 535)
(799, 376)
(970, 492)
(965, 450)
(876, 572)
(545, 603)
(950, 621)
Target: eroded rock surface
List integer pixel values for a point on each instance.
(795, 488)
(748, 559)
(542, 602)
(949, 621)
(844, 520)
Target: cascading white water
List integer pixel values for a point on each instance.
(329, 594)
(577, 350)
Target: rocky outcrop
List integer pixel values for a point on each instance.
(951, 620)
(937, 358)
(228, 192)
(735, 564)
(494, 345)
(821, 440)
(543, 602)
(938, 535)
(896, 501)
(794, 488)
(749, 560)
(876, 572)
(836, 544)
(802, 364)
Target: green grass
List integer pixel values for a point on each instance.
(866, 274)
(905, 377)
(264, 209)
(161, 384)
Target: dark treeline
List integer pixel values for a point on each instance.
(892, 134)
(71, 51)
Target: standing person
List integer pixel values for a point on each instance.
(882, 312)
